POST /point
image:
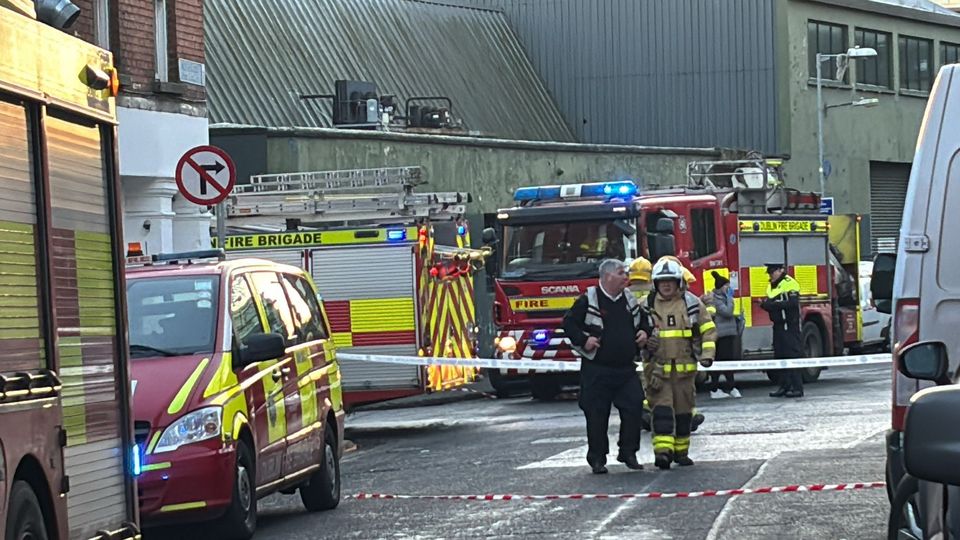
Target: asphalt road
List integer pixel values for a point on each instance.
(520, 446)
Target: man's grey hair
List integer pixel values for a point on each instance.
(610, 266)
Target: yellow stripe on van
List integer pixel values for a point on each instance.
(181, 398)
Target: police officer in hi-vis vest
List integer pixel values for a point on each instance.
(783, 305)
(607, 327)
(684, 333)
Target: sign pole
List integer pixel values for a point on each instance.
(221, 226)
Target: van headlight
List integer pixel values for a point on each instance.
(199, 425)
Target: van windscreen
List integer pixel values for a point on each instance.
(172, 316)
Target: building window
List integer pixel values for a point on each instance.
(704, 233)
(949, 53)
(824, 38)
(875, 71)
(916, 64)
(101, 15)
(163, 70)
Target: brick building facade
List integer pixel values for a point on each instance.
(158, 49)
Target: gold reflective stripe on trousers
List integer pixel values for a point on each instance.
(663, 442)
(679, 368)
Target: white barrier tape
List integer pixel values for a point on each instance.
(574, 365)
(815, 488)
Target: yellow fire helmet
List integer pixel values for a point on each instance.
(640, 270)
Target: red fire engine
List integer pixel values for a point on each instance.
(730, 218)
(67, 455)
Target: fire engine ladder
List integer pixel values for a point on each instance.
(758, 182)
(346, 197)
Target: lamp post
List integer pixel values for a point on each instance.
(842, 59)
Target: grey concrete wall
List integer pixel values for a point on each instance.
(853, 137)
(489, 169)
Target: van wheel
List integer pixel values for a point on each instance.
(322, 490)
(240, 520)
(545, 387)
(25, 519)
(903, 523)
(812, 348)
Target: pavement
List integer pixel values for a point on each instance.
(521, 446)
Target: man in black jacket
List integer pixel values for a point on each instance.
(607, 326)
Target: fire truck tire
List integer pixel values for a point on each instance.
(240, 520)
(322, 491)
(25, 518)
(501, 387)
(545, 387)
(812, 348)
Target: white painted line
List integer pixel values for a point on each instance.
(722, 516)
(560, 440)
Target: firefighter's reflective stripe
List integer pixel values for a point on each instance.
(707, 326)
(680, 368)
(180, 399)
(709, 346)
(711, 310)
(681, 444)
(663, 442)
(670, 334)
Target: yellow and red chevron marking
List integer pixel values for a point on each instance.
(447, 312)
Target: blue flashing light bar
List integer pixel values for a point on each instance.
(135, 462)
(623, 188)
(540, 336)
(396, 235)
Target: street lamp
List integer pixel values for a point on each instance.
(842, 62)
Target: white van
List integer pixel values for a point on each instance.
(926, 311)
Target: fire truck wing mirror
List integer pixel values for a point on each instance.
(665, 225)
(881, 281)
(490, 236)
(260, 347)
(930, 451)
(926, 361)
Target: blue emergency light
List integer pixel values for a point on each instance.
(461, 230)
(135, 461)
(396, 235)
(624, 188)
(540, 336)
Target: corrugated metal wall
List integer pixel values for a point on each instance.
(262, 54)
(655, 72)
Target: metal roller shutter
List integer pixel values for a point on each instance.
(293, 257)
(20, 330)
(366, 273)
(888, 190)
(82, 265)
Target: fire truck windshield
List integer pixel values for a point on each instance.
(172, 316)
(561, 250)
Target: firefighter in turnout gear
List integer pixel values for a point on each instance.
(683, 329)
(783, 305)
(607, 327)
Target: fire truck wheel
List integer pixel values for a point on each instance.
(545, 387)
(812, 348)
(240, 520)
(25, 519)
(322, 491)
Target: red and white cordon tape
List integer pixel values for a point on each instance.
(815, 488)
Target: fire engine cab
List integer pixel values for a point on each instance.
(731, 218)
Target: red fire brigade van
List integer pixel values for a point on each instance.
(236, 389)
